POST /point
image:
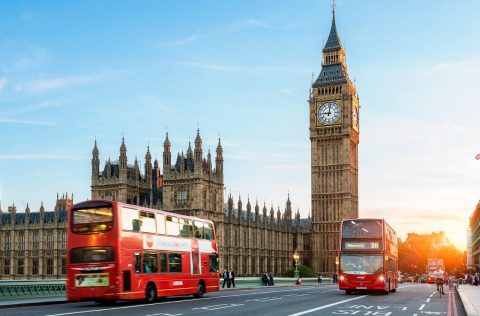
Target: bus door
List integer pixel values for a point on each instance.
(195, 258)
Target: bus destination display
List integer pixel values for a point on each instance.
(361, 245)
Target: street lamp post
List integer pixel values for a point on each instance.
(296, 256)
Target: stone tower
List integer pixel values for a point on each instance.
(334, 136)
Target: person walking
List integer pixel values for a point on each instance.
(231, 276)
(265, 278)
(271, 278)
(225, 279)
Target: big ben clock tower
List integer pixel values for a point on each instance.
(334, 136)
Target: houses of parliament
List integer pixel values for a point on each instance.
(252, 237)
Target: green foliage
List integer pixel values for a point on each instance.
(304, 271)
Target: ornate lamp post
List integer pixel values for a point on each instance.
(296, 256)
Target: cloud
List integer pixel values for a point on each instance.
(42, 85)
(3, 83)
(48, 84)
(287, 166)
(237, 68)
(242, 24)
(471, 65)
(22, 157)
(26, 122)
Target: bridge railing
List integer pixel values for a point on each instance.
(46, 288)
(31, 288)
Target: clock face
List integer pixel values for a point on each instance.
(328, 113)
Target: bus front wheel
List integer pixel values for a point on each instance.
(200, 290)
(151, 293)
(348, 292)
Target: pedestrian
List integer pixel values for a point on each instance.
(271, 278)
(319, 279)
(232, 277)
(334, 278)
(225, 279)
(265, 278)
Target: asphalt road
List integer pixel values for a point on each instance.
(410, 299)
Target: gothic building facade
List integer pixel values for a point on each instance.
(33, 244)
(249, 241)
(334, 136)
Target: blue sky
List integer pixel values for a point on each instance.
(242, 69)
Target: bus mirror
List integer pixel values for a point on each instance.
(136, 223)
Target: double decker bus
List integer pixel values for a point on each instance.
(368, 256)
(120, 251)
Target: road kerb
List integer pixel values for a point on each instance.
(469, 309)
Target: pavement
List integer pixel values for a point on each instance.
(8, 303)
(470, 296)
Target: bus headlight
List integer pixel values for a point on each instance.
(342, 278)
(381, 278)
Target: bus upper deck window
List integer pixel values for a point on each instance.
(92, 220)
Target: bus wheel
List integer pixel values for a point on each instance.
(200, 290)
(151, 293)
(348, 292)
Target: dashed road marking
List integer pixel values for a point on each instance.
(218, 306)
(326, 306)
(421, 307)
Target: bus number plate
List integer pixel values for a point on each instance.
(361, 287)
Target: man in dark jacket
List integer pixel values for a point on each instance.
(232, 277)
(225, 278)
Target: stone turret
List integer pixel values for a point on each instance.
(123, 162)
(167, 156)
(148, 171)
(249, 210)
(219, 160)
(95, 162)
(198, 149)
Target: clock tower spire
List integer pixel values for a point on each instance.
(334, 137)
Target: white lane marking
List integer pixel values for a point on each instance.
(219, 306)
(176, 302)
(421, 307)
(163, 314)
(427, 301)
(266, 299)
(326, 306)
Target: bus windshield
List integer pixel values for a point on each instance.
(92, 220)
(361, 264)
(362, 229)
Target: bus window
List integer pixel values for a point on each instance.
(160, 224)
(150, 264)
(137, 263)
(208, 230)
(148, 222)
(172, 226)
(175, 262)
(186, 228)
(163, 262)
(92, 220)
(213, 263)
(91, 254)
(198, 229)
(128, 216)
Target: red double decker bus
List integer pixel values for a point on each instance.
(120, 251)
(368, 256)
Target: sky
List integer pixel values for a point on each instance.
(72, 72)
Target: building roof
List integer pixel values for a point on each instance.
(331, 75)
(21, 218)
(333, 41)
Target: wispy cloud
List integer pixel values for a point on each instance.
(237, 68)
(471, 65)
(48, 84)
(3, 83)
(16, 157)
(6, 120)
(242, 24)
